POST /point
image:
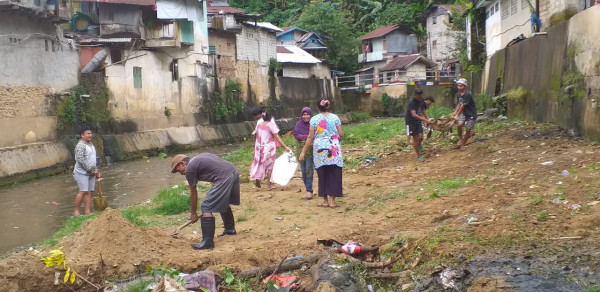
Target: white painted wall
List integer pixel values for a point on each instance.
(493, 29)
(32, 55)
(443, 37)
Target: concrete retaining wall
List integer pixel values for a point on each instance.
(548, 68)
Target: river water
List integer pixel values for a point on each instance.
(34, 210)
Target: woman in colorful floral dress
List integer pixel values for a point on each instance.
(325, 134)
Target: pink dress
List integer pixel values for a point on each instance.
(264, 151)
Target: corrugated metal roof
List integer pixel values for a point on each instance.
(296, 55)
(382, 31)
(265, 25)
(403, 62)
(132, 2)
(105, 40)
(224, 9)
(364, 69)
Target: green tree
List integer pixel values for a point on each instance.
(326, 18)
(478, 51)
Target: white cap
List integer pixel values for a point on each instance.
(462, 81)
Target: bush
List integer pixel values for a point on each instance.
(483, 101)
(360, 116)
(392, 107)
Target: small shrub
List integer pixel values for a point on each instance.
(391, 106)
(360, 116)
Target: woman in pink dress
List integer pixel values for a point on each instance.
(265, 150)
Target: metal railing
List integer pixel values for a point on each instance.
(391, 77)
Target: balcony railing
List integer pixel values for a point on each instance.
(371, 57)
(392, 77)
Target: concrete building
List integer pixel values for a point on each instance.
(441, 39)
(154, 61)
(382, 45)
(406, 68)
(297, 63)
(37, 65)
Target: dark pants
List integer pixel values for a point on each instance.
(330, 181)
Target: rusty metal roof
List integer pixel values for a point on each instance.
(382, 31)
(404, 62)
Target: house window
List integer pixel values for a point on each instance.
(497, 6)
(137, 77)
(46, 43)
(434, 19)
(115, 55)
(174, 70)
(524, 4)
(513, 7)
(434, 44)
(384, 45)
(505, 12)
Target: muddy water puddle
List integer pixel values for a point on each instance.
(34, 210)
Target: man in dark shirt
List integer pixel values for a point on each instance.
(413, 120)
(225, 191)
(465, 112)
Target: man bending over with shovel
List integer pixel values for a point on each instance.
(225, 191)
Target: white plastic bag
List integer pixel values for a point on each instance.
(284, 169)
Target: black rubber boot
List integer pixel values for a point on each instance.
(208, 233)
(229, 223)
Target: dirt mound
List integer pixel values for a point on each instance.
(124, 248)
(106, 247)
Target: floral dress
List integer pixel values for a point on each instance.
(264, 150)
(327, 149)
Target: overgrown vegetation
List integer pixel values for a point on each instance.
(392, 107)
(85, 104)
(483, 101)
(225, 106)
(476, 61)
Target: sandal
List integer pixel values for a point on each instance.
(333, 206)
(323, 205)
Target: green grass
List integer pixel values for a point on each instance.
(139, 285)
(373, 132)
(437, 112)
(172, 201)
(69, 226)
(595, 288)
(241, 155)
(360, 116)
(442, 185)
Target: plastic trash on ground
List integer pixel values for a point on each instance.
(284, 169)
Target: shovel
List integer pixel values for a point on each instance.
(174, 233)
(100, 201)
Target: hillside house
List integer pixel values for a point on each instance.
(310, 42)
(297, 63)
(406, 68)
(440, 38)
(382, 45)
